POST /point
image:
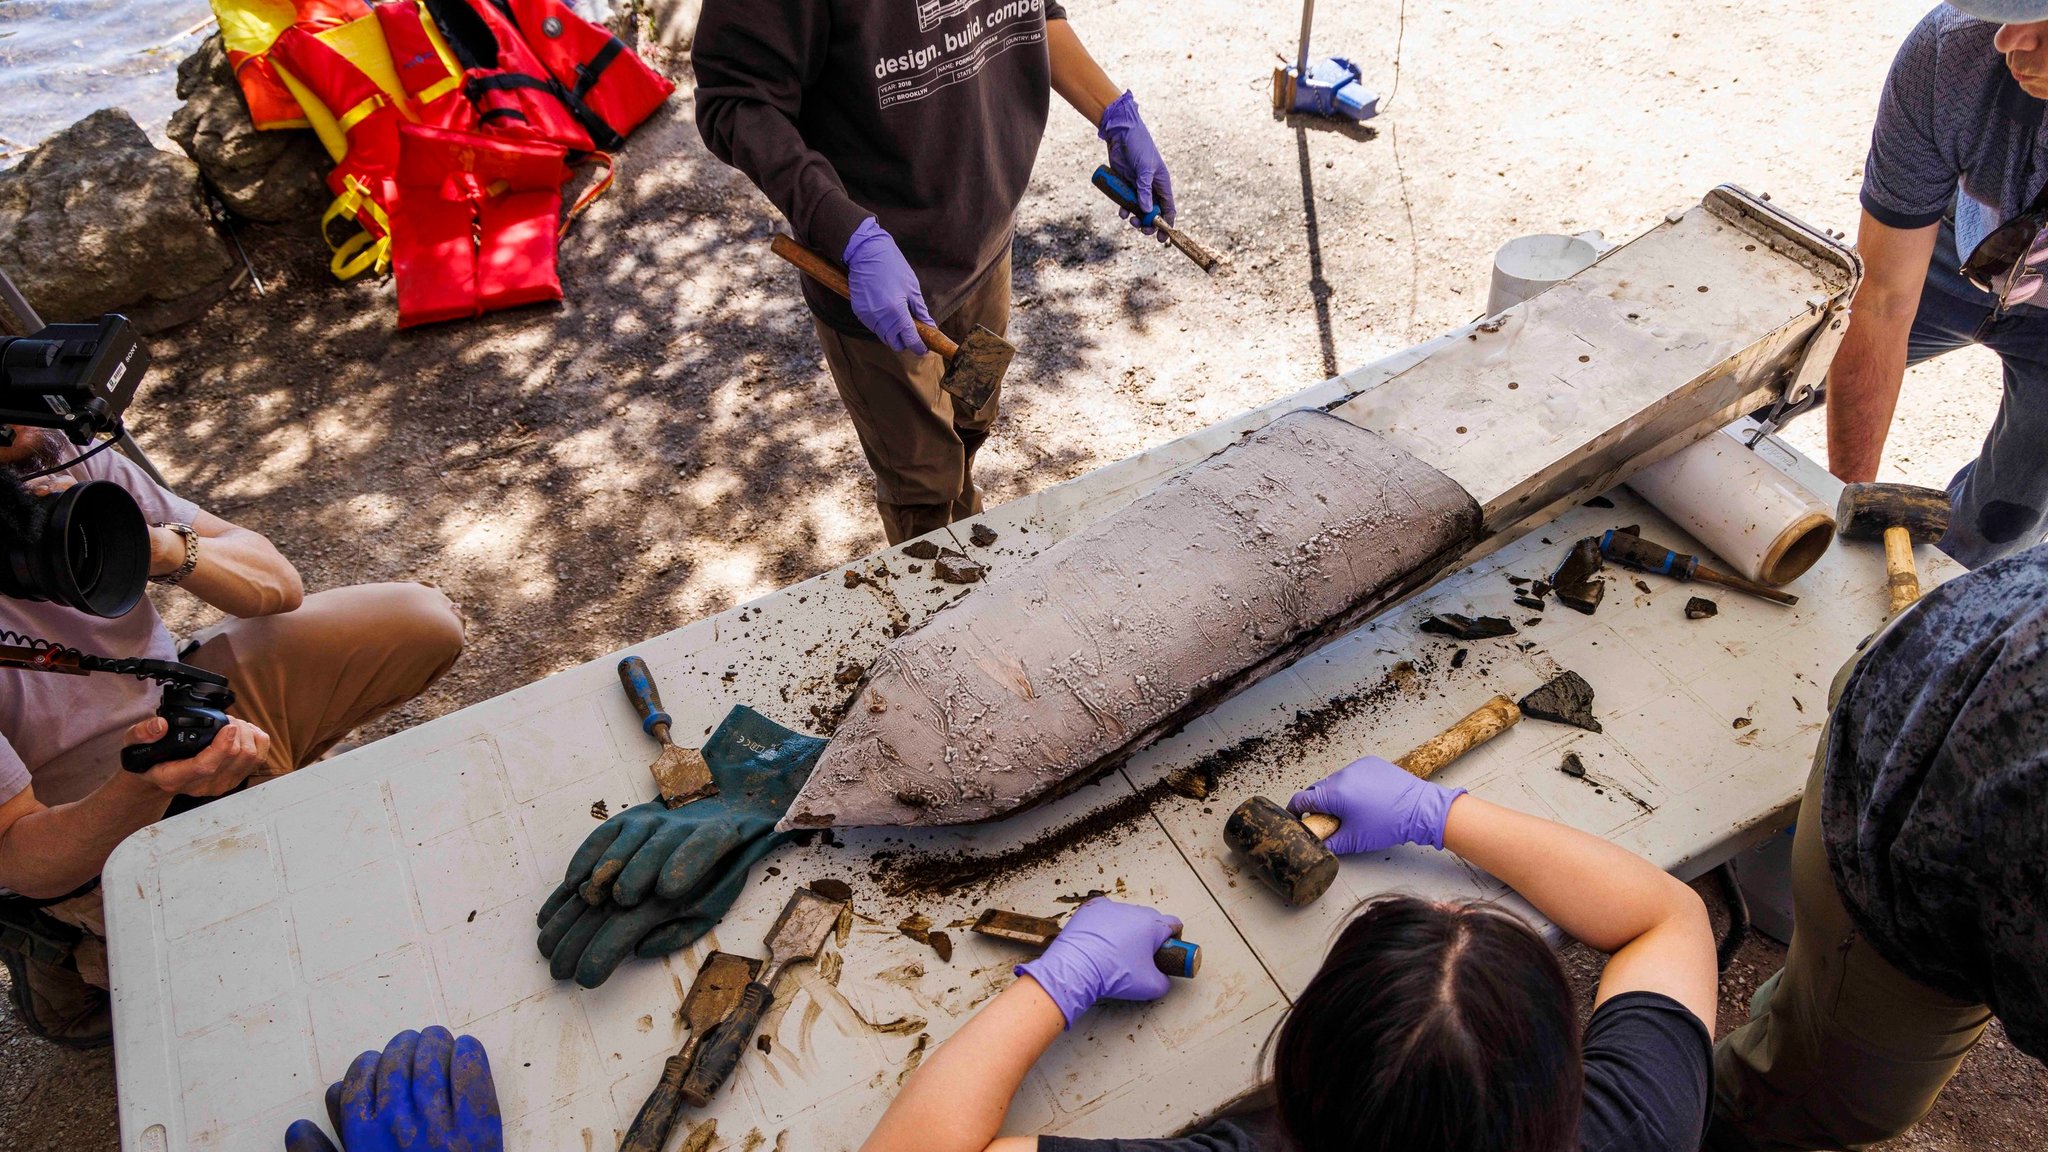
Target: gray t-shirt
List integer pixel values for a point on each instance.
(1953, 128)
(63, 734)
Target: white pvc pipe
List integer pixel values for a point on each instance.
(1761, 522)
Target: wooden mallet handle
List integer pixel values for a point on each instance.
(812, 263)
(1902, 576)
(1484, 723)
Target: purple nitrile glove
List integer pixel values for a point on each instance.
(885, 292)
(1104, 951)
(1379, 805)
(1134, 156)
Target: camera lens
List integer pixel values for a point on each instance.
(86, 547)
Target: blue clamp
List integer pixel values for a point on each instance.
(1333, 88)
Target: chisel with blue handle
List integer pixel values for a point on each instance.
(1118, 189)
(1632, 551)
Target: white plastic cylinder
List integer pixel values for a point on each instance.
(1526, 265)
(1762, 523)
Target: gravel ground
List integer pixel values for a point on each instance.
(667, 443)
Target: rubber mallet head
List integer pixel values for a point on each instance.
(1904, 515)
(1866, 510)
(1287, 853)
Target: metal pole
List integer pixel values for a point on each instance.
(1308, 13)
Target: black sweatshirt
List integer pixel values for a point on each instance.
(925, 114)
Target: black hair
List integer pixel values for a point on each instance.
(1447, 1027)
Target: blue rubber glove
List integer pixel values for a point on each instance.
(1134, 156)
(426, 1092)
(885, 292)
(1380, 805)
(1104, 951)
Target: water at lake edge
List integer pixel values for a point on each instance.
(63, 59)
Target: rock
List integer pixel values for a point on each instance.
(1579, 564)
(1566, 699)
(1699, 608)
(955, 569)
(274, 176)
(982, 536)
(97, 219)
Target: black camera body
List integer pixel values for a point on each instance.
(76, 378)
(195, 706)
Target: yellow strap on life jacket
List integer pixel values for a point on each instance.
(361, 252)
(357, 114)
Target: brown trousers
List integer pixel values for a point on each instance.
(918, 440)
(308, 678)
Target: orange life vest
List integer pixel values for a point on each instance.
(363, 179)
(249, 27)
(424, 65)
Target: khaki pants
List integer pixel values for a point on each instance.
(308, 678)
(917, 439)
(1842, 1050)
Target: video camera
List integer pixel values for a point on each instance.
(86, 547)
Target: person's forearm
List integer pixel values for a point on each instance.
(956, 1100)
(1076, 76)
(1863, 392)
(48, 852)
(1597, 891)
(1863, 382)
(239, 572)
(1610, 898)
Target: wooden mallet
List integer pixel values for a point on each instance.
(1288, 850)
(1905, 515)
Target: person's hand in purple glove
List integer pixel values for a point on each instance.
(1378, 805)
(1133, 156)
(1104, 951)
(885, 292)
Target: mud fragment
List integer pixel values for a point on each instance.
(1567, 699)
(1530, 602)
(598, 810)
(958, 571)
(700, 1137)
(1742, 722)
(1572, 766)
(849, 673)
(1582, 597)
(1599, 502)
(1642, 587)
(765, 1042)
(917, 926)
(1458, 657)
(1459, 627)
(942, 944)
(981, 536)
(921, 550)
(1579, 564)
(853, 579)
(830, 889)
(1699, 608)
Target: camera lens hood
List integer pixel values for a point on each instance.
(87, 548)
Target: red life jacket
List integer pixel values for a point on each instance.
(513, 91)
(363, 180)
(610, 88)
(431, 80)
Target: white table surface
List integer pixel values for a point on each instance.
(258, 944)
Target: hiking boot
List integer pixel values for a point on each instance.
(55, 1003)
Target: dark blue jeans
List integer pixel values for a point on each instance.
(1999, 501)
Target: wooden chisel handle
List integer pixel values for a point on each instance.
(1482, 724)
(813, 263)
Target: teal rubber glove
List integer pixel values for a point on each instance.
(426, 1092)
(651, 880)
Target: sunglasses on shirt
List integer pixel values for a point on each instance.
(2012, 262)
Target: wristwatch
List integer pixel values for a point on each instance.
(191, 555)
